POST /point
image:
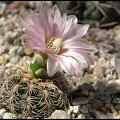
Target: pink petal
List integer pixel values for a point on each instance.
(47, 21)
(58, 30)
(71, 44)
(32, 32)
(32, 20)
(27, 17)
(69, 65)
(68, 26)
(35, 45)
(79, 55)
(37, 23)
(73, 18)
(55, 13)
(77, 31)
(52, 65)
(60, 26)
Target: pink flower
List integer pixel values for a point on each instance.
(58, 37)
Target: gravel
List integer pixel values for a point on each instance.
(96, 95)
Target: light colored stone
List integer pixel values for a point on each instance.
(2, 40)
(98, 71)
(107, 71)
(10, 35)
(83, 66)
(84, 109)
(9, 116)
(113, 61)
(12, 52)
(70, 110)
(117, 81)
(110, 116)
(81, 116)
(59, 114)
(73, 115)
(20, 51)
(29, 118)
(76, 109)
(80, 101)
(2, 111)
(109, 77)
(100, 115)
(2, 8)
(118, 65)
(8, 65)
(117, 38)
(117, 116)
(3, 59)
(15, 59)
(2, 49)
(28, 51)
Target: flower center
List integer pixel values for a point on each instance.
(55, 45)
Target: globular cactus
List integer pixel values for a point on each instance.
(29, 96)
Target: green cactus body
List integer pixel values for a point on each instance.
(30, 97)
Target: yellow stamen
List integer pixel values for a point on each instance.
(57, 42)
(55, 45)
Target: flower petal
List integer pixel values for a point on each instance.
(79, 55)
(60, 26)
(27, 17)
(47, 21)
(37, 23)
(68, 26)
(77, 31)
(70, 65)
(73, 18)
(35, 45)
(30, 31)
(31, 19)
(55, 13)
(52, 65)
(71, 44)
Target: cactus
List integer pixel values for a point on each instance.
(36, 98)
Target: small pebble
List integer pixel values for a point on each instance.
(70, 110)
(81, 116)
(2, 8)
(9, 116)
(110, 116)
(76, 109)
(98, 71)
(8, 65)
(3, 59)
(59, 114)
(28, 51)
(84, 109)
(2, 111)
(2, 49)
(29, 118)
(100, 115)
(80, 101)
(12, 52)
